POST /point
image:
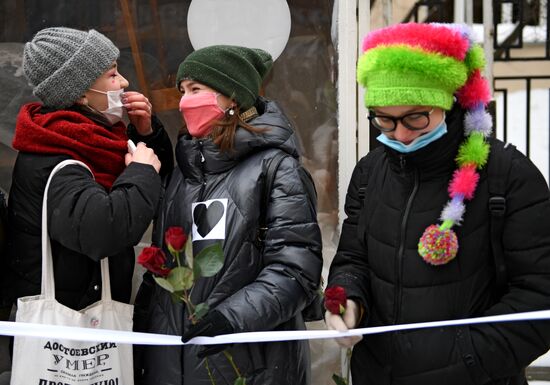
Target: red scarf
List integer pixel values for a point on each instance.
(73, 134)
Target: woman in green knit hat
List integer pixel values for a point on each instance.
(215, 194)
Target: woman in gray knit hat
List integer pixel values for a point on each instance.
(270, 238)
(74, 74)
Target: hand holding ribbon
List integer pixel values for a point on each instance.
(212, 324)
(342, 314)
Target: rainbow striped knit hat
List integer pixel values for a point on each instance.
(422, 64)
(431, 65)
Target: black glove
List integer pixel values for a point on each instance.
(212, 324)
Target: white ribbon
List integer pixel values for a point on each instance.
(123, 337)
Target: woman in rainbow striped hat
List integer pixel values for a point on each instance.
(418, 243)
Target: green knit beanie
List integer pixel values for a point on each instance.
(236, 72)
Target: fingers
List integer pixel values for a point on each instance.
(127, 159)
(145, 155)
(337, 322)
(200, 329)
(211, 349)
(137, 104)
(139, 111)
(191, 333)
(346, 321)
(351, 315)
(348, 342)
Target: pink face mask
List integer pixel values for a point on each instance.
(199, 111)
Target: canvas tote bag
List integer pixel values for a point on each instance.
(45, 361)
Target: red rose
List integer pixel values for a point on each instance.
(335, 299)
(175, 238)
(154, 260)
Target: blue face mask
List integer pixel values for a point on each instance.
(418, 143)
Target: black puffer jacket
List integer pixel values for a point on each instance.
(85, 223)
(378, 264)
(254, 291)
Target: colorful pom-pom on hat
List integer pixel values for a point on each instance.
(433, 64)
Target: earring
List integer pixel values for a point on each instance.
(231, 111)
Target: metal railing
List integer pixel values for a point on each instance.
(524, 15)
(528, 87)
(435, 10)
(523, 18)
(529, 119)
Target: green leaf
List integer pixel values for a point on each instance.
(189, 251)
(181, 278)
(338, 380)
(200, 310)
(176, 296)
(209, 261)
(240, 381)
(164, 283)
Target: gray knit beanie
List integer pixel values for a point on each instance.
(62, 63)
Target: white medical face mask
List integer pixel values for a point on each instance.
(115, 111)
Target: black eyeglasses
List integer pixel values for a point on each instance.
(414, 121)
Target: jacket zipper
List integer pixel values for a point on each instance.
(200, 199)
(401, 250)
(203, 179)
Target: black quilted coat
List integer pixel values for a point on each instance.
(255, 291)
(85, 223)
(378, 264)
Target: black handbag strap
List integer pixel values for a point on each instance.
(269, 177)
(500, 161)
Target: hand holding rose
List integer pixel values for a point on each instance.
(342, 314)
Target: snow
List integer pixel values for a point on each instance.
(542, 361)
(531, 34)
(516, 130)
